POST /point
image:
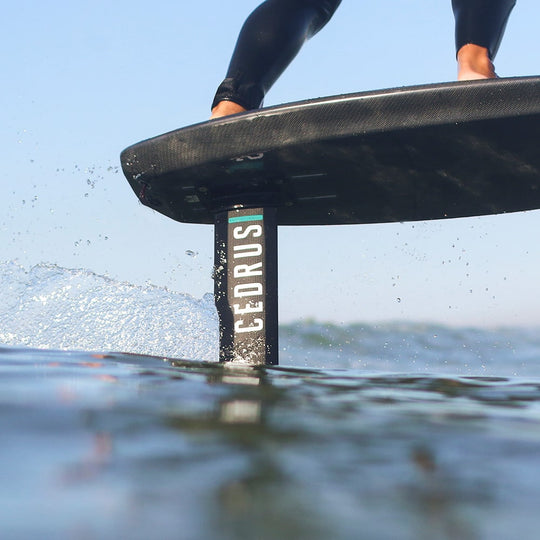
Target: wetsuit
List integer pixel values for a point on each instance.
(274, 33)
(481, 22)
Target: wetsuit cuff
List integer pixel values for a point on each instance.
(247, 96)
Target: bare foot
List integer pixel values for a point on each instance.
(225, 108)
(474, 63)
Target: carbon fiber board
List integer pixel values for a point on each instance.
(405, 154)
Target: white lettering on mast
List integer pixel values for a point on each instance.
(249, 290)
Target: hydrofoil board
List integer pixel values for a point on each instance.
(426, 152)
(413, 153)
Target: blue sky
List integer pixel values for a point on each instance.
(81, 81)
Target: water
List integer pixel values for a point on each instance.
(379, 432)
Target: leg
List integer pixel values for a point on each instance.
(474, 62)
(480, 25)
(269, 40)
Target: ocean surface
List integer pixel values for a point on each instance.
(391, 431)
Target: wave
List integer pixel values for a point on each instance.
(51, 307)
(414, 347)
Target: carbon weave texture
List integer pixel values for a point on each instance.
(333, 117)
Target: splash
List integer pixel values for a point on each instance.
(52, 307)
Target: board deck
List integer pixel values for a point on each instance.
(413, 153)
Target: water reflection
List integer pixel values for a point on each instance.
(436, 498)
(265, 502)
(317, 459)
(92, 464)
(211, 451)
(242, 407)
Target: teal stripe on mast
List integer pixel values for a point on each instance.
(240, 219)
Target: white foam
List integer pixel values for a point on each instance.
(48, 306)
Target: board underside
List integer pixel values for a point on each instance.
(407, 154)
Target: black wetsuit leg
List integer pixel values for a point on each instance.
(269, 40)
(481, 22)
(275, 32)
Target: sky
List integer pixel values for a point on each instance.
(83, 80)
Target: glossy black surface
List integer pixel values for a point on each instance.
(413, 153)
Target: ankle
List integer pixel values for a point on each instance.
(226, 108)
(474, 63)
